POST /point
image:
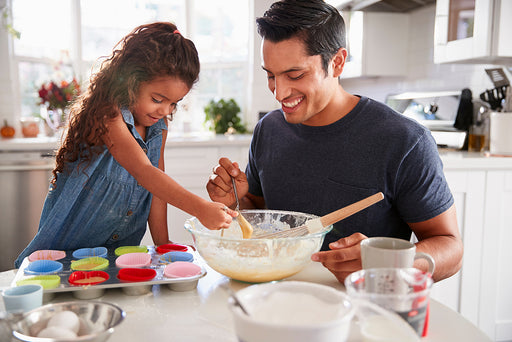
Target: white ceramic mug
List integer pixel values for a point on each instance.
(378, 252)
(23, 298)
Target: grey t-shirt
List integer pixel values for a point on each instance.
(320, 169)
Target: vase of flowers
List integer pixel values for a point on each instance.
(55, 100)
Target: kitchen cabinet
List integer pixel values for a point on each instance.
(376, 48)
(482, 188)
(459, 291)
(495, 316)
(473, 31)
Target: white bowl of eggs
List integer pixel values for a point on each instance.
(82, 321)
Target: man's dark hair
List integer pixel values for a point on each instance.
(317, 23)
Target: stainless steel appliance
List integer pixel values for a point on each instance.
(24, 180)
(435, 110)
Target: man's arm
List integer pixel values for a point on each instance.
(440, 237)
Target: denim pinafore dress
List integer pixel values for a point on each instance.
(100, 204)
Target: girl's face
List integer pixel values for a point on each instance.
(157, 99)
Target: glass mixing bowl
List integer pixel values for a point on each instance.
(257, 260)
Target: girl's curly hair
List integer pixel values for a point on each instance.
(149, 51)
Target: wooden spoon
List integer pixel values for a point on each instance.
(245, 226)
(317, 224)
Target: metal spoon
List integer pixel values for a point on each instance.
(233, 295)
(245, 226)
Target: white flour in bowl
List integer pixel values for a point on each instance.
(294, 308)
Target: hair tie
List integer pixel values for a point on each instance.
(176, 31)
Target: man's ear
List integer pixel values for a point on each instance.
(338, 61)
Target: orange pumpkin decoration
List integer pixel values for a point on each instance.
(7, 131)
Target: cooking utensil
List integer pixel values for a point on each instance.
(495, 96)
(498, 77)
(316, 225)
(245, 226)
(508, 100)
(235, 299)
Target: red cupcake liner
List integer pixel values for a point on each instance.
(80, 278)
(171, 247)
(136, 274)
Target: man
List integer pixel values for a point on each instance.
(326, 148)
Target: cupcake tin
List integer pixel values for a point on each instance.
(143, 286)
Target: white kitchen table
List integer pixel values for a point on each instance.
(202, 314)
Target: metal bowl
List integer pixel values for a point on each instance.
(257, 260)
(97, 321)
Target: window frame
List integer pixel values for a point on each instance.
(82, 70)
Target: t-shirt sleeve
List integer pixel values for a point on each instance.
(422, 190)
(251, 171)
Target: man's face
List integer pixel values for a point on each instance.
(298, 81)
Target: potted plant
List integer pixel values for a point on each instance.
(223, 115)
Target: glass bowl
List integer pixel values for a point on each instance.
(257, 260)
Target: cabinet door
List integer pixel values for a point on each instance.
(190, 167)
(377, 44)
(460, 292)
(463, 30)
(495, 314)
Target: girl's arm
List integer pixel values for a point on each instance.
(158, 214)
(125, 149)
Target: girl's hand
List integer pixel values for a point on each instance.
(216, 216)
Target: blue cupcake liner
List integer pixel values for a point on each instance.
(40, 267)
(169, 257)
(83, 253)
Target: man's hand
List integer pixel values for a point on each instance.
(343, 258)
(219, 186)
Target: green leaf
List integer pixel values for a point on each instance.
(223, 114)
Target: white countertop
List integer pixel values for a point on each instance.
(40, 143)
(186, 140)
(202, 314)
(452, 159)
(463, 160)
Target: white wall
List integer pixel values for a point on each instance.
(262, 99)
(423, 74)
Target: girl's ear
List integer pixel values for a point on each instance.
(338, 61)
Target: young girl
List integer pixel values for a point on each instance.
(109, 179)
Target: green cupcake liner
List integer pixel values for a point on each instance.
(89, 264)
(46, 281)
(130, 249)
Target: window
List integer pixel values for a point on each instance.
(62, 39)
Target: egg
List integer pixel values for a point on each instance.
(56, 332)
(65, 319)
